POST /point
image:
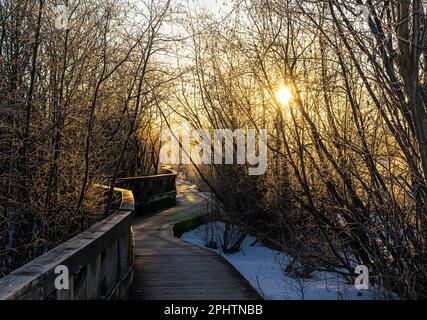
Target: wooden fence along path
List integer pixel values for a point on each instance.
(99, 262)
(137, 259)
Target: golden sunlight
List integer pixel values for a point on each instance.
(284, 95)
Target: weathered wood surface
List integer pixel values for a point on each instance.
(168, 268)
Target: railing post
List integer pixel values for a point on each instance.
(80, 284)
(94, 277)
(124, 249)
(112, 265)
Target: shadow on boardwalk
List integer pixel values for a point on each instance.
(167, 268)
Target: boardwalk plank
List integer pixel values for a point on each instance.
(167, 268)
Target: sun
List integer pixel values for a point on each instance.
(284, 95)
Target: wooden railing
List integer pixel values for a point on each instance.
(99, 260)
(152, 192)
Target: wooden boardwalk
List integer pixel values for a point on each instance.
(167, 268)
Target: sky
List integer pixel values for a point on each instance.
(214, 6)
(217, 8)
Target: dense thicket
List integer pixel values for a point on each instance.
(77, 108)
(346, 182)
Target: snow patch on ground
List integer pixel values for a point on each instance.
(263, 268)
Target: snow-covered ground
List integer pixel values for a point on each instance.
(263, 268)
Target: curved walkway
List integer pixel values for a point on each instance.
(167, 268)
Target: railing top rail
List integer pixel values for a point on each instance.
(163, 175)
